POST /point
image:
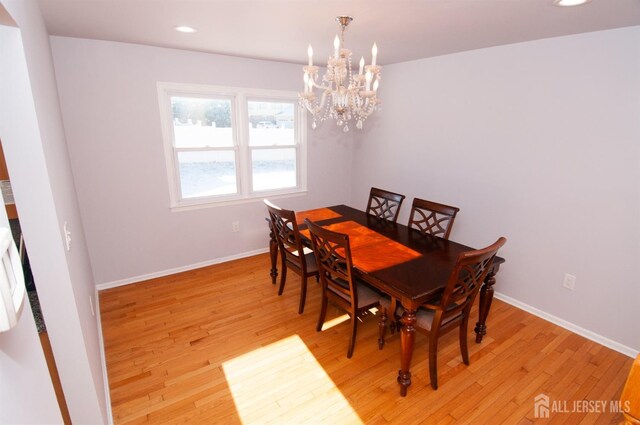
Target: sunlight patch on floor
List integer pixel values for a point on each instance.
(284, 383)
(334, 322)
(344, 318)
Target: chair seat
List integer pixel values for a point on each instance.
(366, 295)
(310, 259)
(424, 317)
(312, 265)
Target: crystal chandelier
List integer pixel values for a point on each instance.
(342, 94)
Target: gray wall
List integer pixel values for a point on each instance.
(111, 115)
(538, 142)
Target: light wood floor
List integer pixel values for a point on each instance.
(218, 345)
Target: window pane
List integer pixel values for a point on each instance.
(199, 122)
(273, 168)
(271, 123)
(207, 173)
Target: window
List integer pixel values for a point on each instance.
(230, 144)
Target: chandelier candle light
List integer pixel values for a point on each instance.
(344, 95)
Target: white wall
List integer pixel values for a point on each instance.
(24, 377)
(538, 142)
(44, 191)
(111, 117)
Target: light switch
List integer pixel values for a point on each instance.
(67, 236)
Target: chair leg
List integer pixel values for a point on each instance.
(283, 278)
(433, 359)
(323, 313)
(464, 350)
(382, 328)
(354, 328)
(303, 294)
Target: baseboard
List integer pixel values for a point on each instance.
(105, 377)
(628, 351)
(135, 279)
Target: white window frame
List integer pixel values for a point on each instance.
(239, 98)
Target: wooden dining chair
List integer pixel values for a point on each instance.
(452, 309)
(630, 397)
(432, 218)
(292, 253)
(384, 204)
(333, 255)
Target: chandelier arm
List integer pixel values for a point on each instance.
(318, 86)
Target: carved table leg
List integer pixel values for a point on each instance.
(407, 337)
(273, 252)
(486, 297)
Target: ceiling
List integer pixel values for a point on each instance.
(281, 29)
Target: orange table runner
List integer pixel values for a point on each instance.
(371, 251)
(316, 215)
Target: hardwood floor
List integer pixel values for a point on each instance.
(217, 345)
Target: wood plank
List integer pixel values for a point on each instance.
(218, 345)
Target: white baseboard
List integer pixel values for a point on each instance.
(135, 279)
(103, 360)
(628, 351)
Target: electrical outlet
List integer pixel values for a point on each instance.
(235, 226)
(569, 281)
(93, 312)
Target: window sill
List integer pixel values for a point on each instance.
(196, 205)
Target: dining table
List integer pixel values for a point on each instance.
(400, 261)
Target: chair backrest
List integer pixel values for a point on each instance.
(630, 397)
(467, 277)
(384, 204)
(285, 227)
(432, 218)
(333, 255)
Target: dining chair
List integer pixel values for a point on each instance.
(384, 204)
(339, 285)
(432, 218)
(293, 255)
(452, 308)
(630, 398)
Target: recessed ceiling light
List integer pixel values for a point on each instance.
(184, 28)
(565, 3)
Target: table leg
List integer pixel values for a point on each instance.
(407, 338)
(273, 252)
(486, 297)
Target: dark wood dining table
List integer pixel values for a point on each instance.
(398, 261)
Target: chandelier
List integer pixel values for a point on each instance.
(342, 94)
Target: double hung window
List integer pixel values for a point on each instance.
(230, 144)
